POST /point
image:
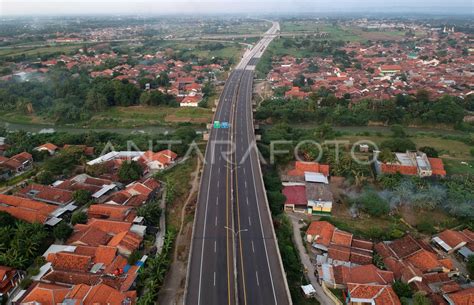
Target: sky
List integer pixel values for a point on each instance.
(156, 7)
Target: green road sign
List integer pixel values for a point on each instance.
(217, 124)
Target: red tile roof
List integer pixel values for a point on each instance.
(339, 253)
(390, 67)
(86, 235)
(453, 238)
(362, 244)
(70, 261)
(295, 194)
(437, 167)
(48, 146)
(463, 297)
(126, 241)
(109, 211)
(425, 261)
(397, 168)
(368, 274)
(47, 194)
(46, 294)
(404, 246)
(99, 294)
(341, 238)
(379, 294)
(302, 167)
(26, 209)
(321, 231)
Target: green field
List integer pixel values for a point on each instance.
(139, 116)
(34, 51)
(337, 32)
(126, 117)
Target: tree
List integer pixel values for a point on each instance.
(62, 231)
(373, 204)
(420, 299)
(429, 151)
(403, 290)
(82, 197)
(134, 257)
(470, 266)
(398, 131)
(398, 144)
(96, 101)
(45, 177)
(386, 155)
(276, 202)
(130, 171)
(163, 79)
(79, 217)
(151, 212)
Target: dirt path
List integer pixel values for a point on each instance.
(172, 291)
(306, 261)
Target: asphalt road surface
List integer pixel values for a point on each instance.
(234, 256)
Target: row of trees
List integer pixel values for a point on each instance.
(23, 141)
(66, 97)
(324, 107)
(153, 275)
(20, 242)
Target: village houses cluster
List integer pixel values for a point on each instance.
(439, 64)
(430, 267)
(186, 79)
(92, 265)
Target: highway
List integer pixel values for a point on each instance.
(234, 256)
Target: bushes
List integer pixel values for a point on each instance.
(62, 231)
(81, 197)
(155, 270)
(290, 257)
(78, 217)
(273, 185)
(398, 144)
(21, 242)
(371, 203)
(151, 212)
(130, 171)
(470, 266)
(402, 289)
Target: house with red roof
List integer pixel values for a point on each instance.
(339, 276)
(390, 69)
(306, 189)
(414, 262)
(18, 163)
(371, 294)
(125, 236)
(52, 294)
(136, 193)
(411, 164)
(27, 210)
(461, 297)
(337, 246)
(9, 279)
(191, 101)
(159, 160)
(46, 194)
(73, 265)
(314, 167)
(296, 93)
(99, 188)
(112, 212)
(48, 147)
(451, 241)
